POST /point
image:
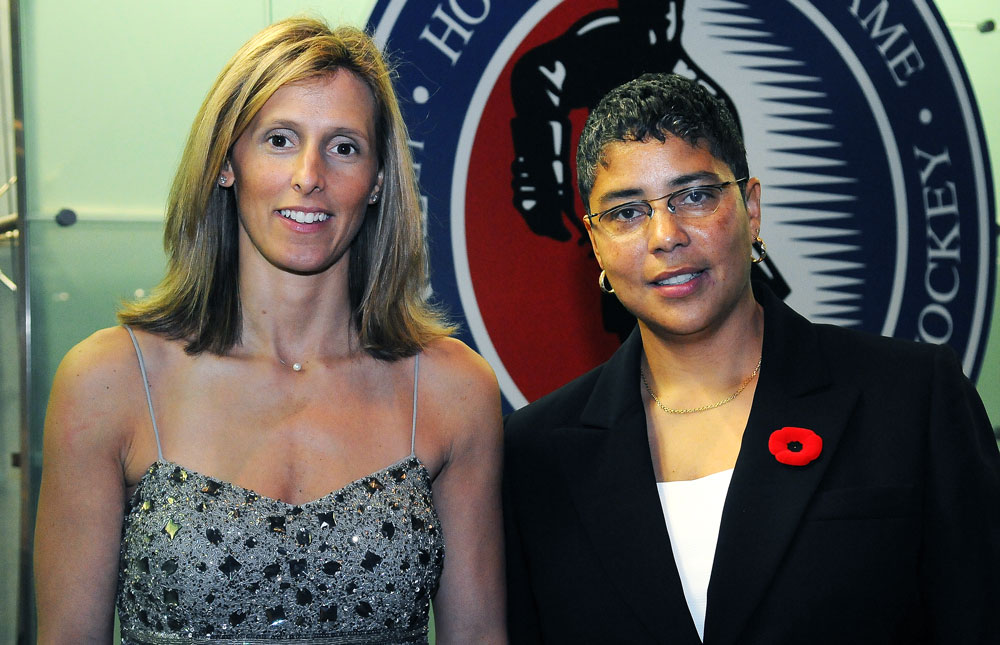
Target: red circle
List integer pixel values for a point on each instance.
(538, 297)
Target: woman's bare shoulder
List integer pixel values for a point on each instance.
(452, 364)
(459, 386)
(93, 384)
(105, 358)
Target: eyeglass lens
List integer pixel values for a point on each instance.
(691, 202)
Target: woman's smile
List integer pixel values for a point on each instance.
(678, 283)
(301, 216)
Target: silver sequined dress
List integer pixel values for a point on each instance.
(204, 561)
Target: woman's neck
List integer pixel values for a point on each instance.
(708, 364)
(296, 317)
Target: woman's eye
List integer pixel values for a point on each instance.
(278, 140)
(696, 196)
(698, 200)
(344, 148)
(627, 213)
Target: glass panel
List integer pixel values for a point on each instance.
(10, 354)
(89, 268)
(10, 440)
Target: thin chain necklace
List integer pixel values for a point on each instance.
(711, 406)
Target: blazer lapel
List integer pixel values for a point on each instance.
(609, 472)
(767, 499)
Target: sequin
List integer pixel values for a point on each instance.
(211, 487)
(275, 616)
(223, 562)
(371, 561)
(297, 567)
(171, 528)
(230, 566)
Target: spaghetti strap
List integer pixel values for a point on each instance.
(413, 429)
(145, 384)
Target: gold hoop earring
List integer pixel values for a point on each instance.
(601, 279)
(761, 248)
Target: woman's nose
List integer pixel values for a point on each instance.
(308, 175)
(665, 230)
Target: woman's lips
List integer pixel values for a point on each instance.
(677, 284)
(679, 278)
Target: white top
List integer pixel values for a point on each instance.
(693, 512)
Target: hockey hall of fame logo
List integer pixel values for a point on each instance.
(858, 118)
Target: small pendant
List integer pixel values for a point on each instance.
(297, 367)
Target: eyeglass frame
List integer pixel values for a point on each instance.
(668, 197)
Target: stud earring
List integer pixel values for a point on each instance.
(374, 199)
(222, 180)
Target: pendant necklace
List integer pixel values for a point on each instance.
(297, 367)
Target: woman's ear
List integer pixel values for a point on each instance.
(377, 189)
(227, 178)
(752, 201)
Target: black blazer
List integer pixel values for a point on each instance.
(890, 536)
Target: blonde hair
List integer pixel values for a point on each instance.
(198, 300)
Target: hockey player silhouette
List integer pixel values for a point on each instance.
(597, 53)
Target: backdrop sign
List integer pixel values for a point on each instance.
(858, 118)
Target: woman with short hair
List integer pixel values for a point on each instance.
(735, 473)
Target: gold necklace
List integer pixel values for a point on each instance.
(712, 406)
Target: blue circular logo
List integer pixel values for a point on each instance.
(858, 118)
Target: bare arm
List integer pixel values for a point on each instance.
(82, 494)
(470, 603)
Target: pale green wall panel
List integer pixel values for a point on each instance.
(980, 52)
(336, 12)
(110, 90)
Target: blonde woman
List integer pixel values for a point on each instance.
(282, 443)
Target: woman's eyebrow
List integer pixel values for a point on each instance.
(675, 183)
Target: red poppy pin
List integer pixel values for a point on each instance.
(795, 446)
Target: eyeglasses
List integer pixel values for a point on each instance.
(691, 202)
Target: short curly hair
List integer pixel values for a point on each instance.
(657, 105)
